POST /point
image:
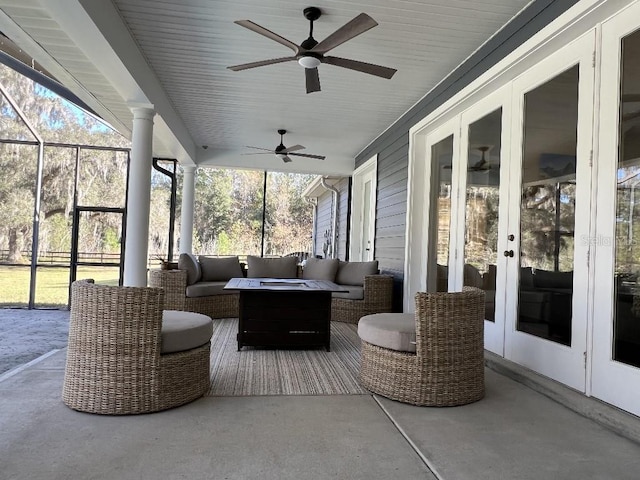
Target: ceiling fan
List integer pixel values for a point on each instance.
(481, 165)
(283, 152)
(310, 53)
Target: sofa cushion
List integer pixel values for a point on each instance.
(354, 292)
(395, 331)
(353, 273)
(284, 267)
(547, 279)
(219, 269)
(183, 331)
(189, 262)
(206, 289)
(320, 269)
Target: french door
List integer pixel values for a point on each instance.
(549, 214)
(364, 212)
(616, 333)
(480, 234)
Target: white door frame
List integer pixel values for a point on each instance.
(566, 364)
(614, 382)
(419, 187)
(368, 171)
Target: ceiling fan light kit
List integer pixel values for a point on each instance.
(311, 53)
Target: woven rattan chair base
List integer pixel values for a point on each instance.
(396, 375)
(378, 298)
(114, 365)
(448, 366)
(174, 284)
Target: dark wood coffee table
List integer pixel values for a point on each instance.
(284, 312)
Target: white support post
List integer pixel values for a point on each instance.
(139, 199)
(186, 220)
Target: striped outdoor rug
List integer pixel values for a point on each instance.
(284, 372)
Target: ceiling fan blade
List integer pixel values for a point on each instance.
(308, 155)
(258, 153)
(312, 79)
(260, 148)
(295, 148)
(370, 68)
(262, 63)
(286, 159)
(353, 28)
(254, 27)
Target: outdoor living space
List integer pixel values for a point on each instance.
(515, 432)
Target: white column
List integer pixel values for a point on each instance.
(138, 203)
(186, 220)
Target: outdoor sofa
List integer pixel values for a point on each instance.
(198, 284)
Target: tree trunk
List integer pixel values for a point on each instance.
(15, 246)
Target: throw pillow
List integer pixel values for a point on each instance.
(320, 269)
(220, 269)
(189, 262)
(353, 273)
(285, 267)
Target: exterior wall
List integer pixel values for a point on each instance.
(392, 146)
(324, 220)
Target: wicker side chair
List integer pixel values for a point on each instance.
(174, 284)
(114, 360)
(447, 366)
(378, 298)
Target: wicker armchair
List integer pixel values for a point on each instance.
(378, 298)
(174, 284)
(114, 361)
(447, 367)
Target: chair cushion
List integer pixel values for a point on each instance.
(353, 273)
(395, 331)
(285, 267)
(182, 331)
(219, 269)
(206, 289)
(190, 263)
(320, 269)
(354, 292)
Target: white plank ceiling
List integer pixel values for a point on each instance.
(187, 46)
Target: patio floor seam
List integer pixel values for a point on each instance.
(408, 439)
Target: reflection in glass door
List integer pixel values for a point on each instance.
(547, 209)
(442, 168)
(481, 207)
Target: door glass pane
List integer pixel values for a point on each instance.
(626, 343)
(547, 209)
(481, 210)
(442, 158)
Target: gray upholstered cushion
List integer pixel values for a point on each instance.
(320, 269)
(183, 331)
(285, 267)
(353, 273)
(354, 292)
(189, 262)
(219, 269)
(206, 289)
(395, 331)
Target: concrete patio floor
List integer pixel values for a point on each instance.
(513, 433)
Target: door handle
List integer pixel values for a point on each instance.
(508, 253)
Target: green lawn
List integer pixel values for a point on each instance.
(52, 284)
